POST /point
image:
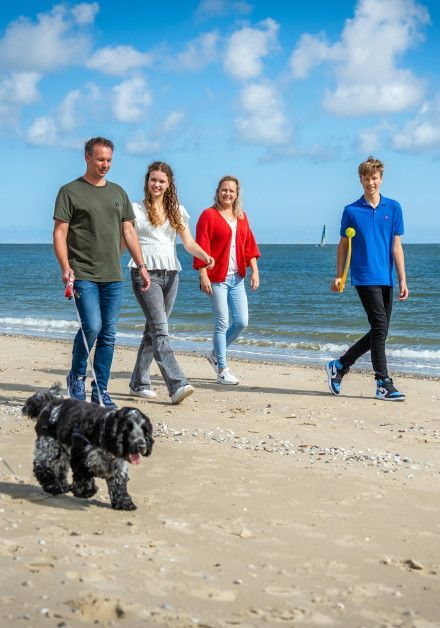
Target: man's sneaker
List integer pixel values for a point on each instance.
(212, 360)
(387, 392)
(76, 386)
(181, 393)
(106, 399)
(226, 377)
(335, 373)
(145, 393)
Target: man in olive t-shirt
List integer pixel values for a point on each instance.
(92, 216)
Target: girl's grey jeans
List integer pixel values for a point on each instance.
(156, 303)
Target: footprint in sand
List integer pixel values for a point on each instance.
(180, 526)
(95, 609)
(281, 591)
(216, 595)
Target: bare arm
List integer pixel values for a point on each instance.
(341, 255)
(205, 282)
(131, 241)
(193, 248)
(399, 262)
(255, 277)
(60, 248)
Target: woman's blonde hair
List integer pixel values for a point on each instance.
(170, 200)
(237, 209)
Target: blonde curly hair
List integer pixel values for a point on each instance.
(170, 200)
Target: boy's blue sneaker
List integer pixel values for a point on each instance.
(387, 392)
(106, 399)
(335, 373)
(76, 386)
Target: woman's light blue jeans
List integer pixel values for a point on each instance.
(228, 299)
(98, 305)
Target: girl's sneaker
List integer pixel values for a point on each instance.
(387, 392)
(181, 393)
(335, 373)
(226, 377)
(212, 361)
(145, 393)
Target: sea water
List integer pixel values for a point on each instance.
(293, 316)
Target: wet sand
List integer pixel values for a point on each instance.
(271, 503)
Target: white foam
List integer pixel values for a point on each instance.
(43, 324)
(295, 351)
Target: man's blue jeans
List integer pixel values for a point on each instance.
(228, 296)
(98, 305)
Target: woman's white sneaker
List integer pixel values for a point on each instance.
(145, 393)
(182, 393)
(226, 377)
(212, 360)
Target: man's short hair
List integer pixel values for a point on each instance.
(90, 144)
(370, 166)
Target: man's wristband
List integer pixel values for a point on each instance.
(139, 266)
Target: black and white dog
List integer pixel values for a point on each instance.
(94, 441)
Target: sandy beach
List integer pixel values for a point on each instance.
(271, 503)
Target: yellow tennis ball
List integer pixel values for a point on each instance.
(350, 232)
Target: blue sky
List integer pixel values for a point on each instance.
(288, 96)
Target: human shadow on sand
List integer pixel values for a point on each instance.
(198, 382)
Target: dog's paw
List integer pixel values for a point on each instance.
(124, 504)
(57, 488)
(84, 489)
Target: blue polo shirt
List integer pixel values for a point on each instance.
(372, 246)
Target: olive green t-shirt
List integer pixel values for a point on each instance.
(95, 215)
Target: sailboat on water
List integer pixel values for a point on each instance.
(323, 235)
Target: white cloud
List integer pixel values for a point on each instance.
(246, 49)
(263, 120)
(216, 8)
(85, 12)
(198, 53)
(118, 60)
(364, 60)
(371, 140)
(310, 52)
(55, 129)
(422, 133)
(141, 144)
(16, 90)
(172, 121)
(43, 131)
(131, 100)
(53, 41)
(67, 110)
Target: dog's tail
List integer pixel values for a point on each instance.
(35, 404)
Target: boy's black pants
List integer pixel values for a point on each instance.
(378, 303)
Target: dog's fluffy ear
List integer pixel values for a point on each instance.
(34, 404)
(55, 390)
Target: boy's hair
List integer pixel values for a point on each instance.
(90, 144)
(370, 166)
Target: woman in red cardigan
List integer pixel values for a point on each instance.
(223, 232)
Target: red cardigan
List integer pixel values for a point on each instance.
(215, 235)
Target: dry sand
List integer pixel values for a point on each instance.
(271, 503)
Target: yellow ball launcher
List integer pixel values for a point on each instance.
(350, 233)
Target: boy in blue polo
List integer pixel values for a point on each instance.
(378, 224)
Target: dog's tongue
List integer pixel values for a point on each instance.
(135, 458)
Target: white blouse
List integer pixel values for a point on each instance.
(233, 266)
(158, 243)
